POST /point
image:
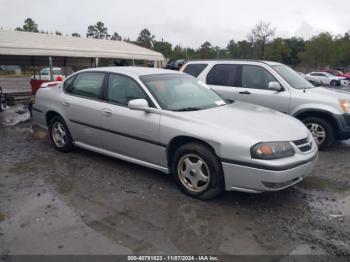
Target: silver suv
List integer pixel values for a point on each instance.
(169, 121)
(324, 111)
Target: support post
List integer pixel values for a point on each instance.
(51, 71)
(97, 62)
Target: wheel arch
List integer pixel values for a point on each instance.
(178, 141)
(50, 114)
(302, 114)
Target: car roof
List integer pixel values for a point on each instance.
(233, 61)
(134, 71)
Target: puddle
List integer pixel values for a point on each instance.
(46, 225)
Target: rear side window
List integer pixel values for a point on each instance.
(195, 69)
(86, 85)
(222, 75)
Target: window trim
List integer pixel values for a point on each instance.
(241, 77)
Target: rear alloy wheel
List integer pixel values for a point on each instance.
(197, 171)
(60, 135)
(321, 130)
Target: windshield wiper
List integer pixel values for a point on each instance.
(187, 109)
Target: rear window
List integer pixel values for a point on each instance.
(223, 75)
(195, 69)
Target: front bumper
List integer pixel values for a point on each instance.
(343, 126)
(254, 180)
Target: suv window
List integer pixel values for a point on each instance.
(256, 77)
(57, 72)
(122, 89)
(222, 75)
(86, 84)
(195, 69)
(44, 72)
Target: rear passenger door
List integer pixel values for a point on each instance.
(222, 78)
(254, 89)
(82, 104)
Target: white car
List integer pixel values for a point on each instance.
(324, 78)
(44, 74)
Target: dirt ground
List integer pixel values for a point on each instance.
(85, 203)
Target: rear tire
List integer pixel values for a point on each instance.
(60, 135)
(321, 130)
(197, 171)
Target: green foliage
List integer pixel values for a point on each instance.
(116, 37)
(319, 51)
(98, 31)
(29, 26)
(145, 38)
(163, 47)
(277, 50)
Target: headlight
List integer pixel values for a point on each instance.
(345, 105)
(272, 150)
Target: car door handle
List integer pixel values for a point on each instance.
(65, 102)
(106, 112)
(244, 93)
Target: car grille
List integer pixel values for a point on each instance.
(304, 145)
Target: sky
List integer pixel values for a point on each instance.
(188, 23)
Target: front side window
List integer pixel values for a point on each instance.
(122, 89)
(180, 92)
(86, 85)
(222, 75)
(256, 77)
(195, 69)
(292, 77)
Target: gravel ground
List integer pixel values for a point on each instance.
(85, 203)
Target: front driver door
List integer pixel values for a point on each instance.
(129, 132)
(254, 89)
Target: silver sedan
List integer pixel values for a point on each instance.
(171, 122)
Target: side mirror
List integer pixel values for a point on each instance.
(138, 104)
(275, 86)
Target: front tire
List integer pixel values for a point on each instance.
(321, 130)
(197, 171)
(334, 83)
(60, 135)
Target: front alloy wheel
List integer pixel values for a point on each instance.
(197, 171)
(193, 172)
(322, 131)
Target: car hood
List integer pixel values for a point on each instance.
(257, 123)
(328, 93)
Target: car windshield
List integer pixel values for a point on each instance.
(180, 92)
(292, 77)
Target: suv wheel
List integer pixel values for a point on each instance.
(321, 130)
(60, 135)
(334, 83)
(197, 171)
